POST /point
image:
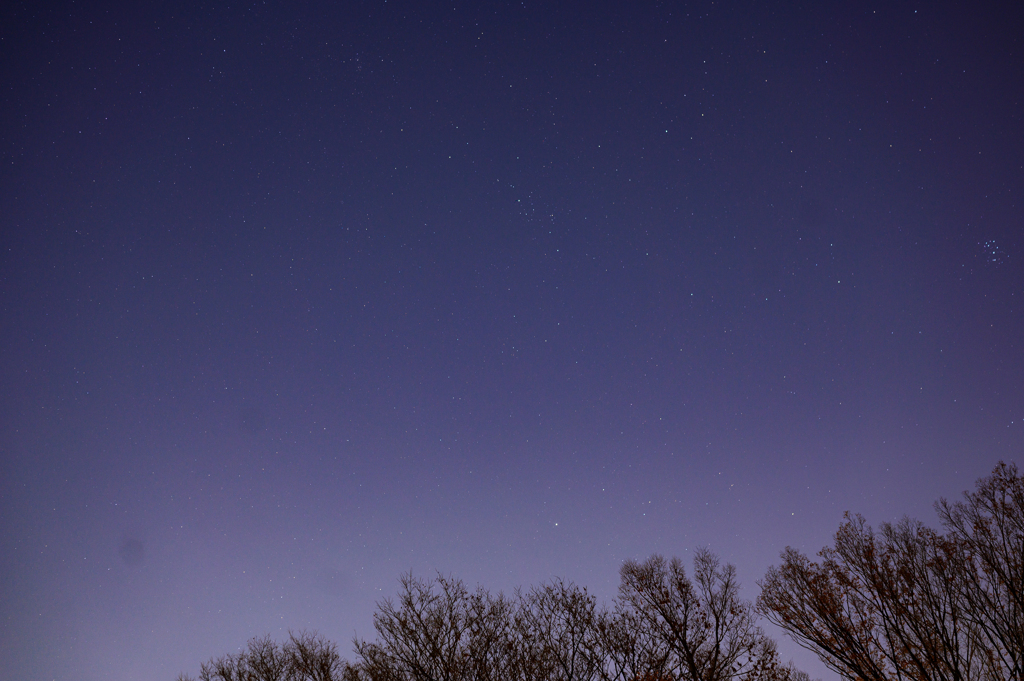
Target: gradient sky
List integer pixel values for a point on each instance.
(297, 297)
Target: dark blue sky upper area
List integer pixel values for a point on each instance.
(298, 297)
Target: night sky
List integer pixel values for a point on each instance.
(298, 297)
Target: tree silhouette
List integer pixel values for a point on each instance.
(989, 525)
(556, 627)
(908, 602)
(439, 631)
(698, 630)
(304, 657)
(663, 627)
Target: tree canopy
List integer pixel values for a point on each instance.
(903, 603)
(664, 625)
(909, 602)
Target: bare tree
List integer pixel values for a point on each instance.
(697, 630)
(910, 603)
(438, 631)
(630, 650)
(556, 625)
(304, 657)
(989, 524)
(878, 607)
(663, 628)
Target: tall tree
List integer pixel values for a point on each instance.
(908, 602)
(630, 650)
(557, 632)
(701, 629)
(439, 631)
(989, 523)
(879, 606)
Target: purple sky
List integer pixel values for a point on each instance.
(298, 297)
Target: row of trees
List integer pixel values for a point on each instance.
(905, 603)
(664, 625)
